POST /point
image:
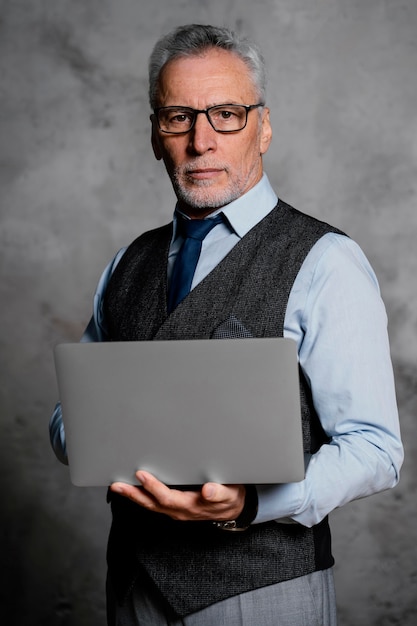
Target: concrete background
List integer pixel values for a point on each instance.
(78, 181)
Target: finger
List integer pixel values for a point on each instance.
(215, 492)
(152, 485)
(132, 492)
(119, 487)
(167, 499)
(212, 492)
(177, 504)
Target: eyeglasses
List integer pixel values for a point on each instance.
(224, 118)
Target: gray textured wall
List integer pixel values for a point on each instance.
(78, 180)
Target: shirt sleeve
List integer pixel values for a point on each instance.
(336, 315)
(95, 331)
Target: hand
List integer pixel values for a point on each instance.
(213, 502)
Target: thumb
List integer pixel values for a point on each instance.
(212, 492)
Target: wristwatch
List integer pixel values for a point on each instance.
(248, 514)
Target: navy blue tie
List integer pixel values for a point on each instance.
(193, 231)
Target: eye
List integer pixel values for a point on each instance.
(175, 119)
(228, 118)
(224, 114)
(180, 118)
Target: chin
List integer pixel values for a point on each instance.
(206, 198)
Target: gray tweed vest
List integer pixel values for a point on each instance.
(190, 565)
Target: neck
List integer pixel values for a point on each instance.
(196, 213)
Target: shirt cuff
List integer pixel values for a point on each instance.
(279, 502)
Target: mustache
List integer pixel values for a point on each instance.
(200, 164)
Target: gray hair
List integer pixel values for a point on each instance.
(192, 40)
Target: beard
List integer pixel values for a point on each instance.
(204, 194)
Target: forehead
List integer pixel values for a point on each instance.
(215, 76)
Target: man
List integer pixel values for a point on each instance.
(264, 270)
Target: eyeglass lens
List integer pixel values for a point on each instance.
(223, 118)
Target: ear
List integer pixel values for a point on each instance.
(155, 139)
(266, 131)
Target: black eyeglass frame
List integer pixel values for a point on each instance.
(196, 112)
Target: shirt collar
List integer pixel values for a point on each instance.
(245, 212)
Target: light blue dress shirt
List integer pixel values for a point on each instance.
(337, 318)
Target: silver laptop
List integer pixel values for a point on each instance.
(188, 411)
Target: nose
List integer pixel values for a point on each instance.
(203, 137)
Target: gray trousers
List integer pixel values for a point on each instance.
(305, 601)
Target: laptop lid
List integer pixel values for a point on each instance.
(188, 411)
